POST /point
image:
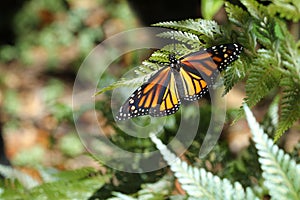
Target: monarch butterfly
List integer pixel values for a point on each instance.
(184, 79)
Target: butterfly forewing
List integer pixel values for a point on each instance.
(157, 97)
(199, 69)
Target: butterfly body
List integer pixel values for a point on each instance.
(185, 79)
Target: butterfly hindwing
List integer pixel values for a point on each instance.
(157, 97)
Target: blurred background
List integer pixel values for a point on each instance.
(42, 45)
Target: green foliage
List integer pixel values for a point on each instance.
(288, 9)
(274, 65)
(11, 102)
(270, 65)
(185, 37)
(75, 184)
(290, 109)
(71, 145)
(53, 90)
(199, 183)
(262, 78)
(158, 190)
(29, 157)
(51, 28)
(280, 172)
(206, 30)
(210, 7)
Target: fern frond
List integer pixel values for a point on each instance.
(241, 19)
(185, 37)
(290, 106)
(24, 179)
(263, 77)
(234, 73)
(289, 9)
(157, 190)
(281, 173)
(199, 183)
(198, 27)
(179, 49)
(160, 56)
(236, 14)
(146, 68)
(264, 25)
(254, 8)
(75, 184)
(76, 189)
(74, 174)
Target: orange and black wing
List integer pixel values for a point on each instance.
(199, 69)
(157, 97)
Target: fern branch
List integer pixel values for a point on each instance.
(199, 27)
(185, 37)
(199, 183)
(289, 9)
(234, 73)
(290, 107)
(146, 68)
(281, 173)
(254, 8)
(162, 55)
(244, 26)
(263, 77)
